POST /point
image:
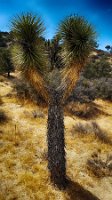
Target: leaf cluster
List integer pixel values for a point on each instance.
(78, 38)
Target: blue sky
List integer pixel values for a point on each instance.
(97, 12)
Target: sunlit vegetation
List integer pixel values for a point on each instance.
(76, 39)
(55, 129)
(98, 69)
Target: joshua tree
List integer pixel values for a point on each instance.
(77, 40)
(6, 66)
(108, 47)
(53, 48)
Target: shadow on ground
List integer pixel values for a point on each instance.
(77, 192)
(1, 102)
(3, 117)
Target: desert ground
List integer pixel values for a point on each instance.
(23, 149)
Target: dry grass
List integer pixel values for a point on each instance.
(2, 78)
(23, 154)
(85, 111)
(100, 165)
(24, 173)
(92, 128)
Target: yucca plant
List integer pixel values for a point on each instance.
(76, 40)
(28, 53)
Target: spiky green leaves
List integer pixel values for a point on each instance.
(26, 25)
(78, 38)
(28, 50)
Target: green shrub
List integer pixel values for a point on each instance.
(6, 65)
(98, 69)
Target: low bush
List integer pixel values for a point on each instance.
(26, 92)
(94, 129)
(101, 166)
(95, 82)
(88, 90)
(98, 69)
(84, 110)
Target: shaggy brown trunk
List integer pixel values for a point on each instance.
(70, 76)
(37, 81)
(56, 143)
